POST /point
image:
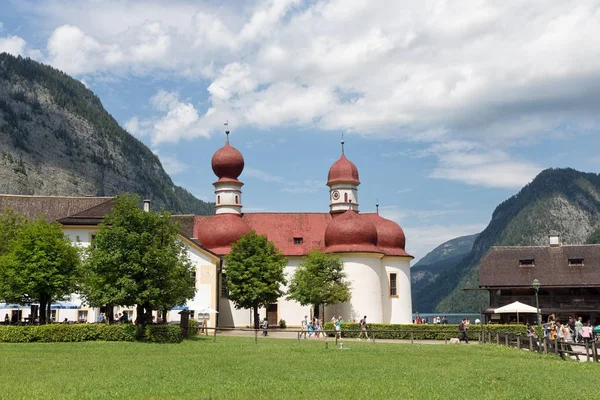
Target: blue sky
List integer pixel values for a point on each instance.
(447, 108)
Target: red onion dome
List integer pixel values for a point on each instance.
(227, 162)
(223, 230)
(351, 233)
(343, 171)
(390, 237)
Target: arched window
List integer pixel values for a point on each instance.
(236, 200)
(218, 199)
(345, 197)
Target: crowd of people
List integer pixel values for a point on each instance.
(436, 320)
(574, 330)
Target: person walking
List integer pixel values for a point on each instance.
(265, 327)
(363, 328)
(304, 326)
(463, 331)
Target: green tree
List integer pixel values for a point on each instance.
(254, 273)
(594, 237)
(11, 224)
(319, 280)
(137, 259)
(41, 262)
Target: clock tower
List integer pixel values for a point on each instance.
(343, 184)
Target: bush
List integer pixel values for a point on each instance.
(420, 332)
(193, 327)
(163, 333)
(68, 333)
(282, 324)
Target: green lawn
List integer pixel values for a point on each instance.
(237, 368)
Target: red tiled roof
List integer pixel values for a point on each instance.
(281, 229)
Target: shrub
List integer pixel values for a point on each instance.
(282, 324)
(193, 327)
(68, 333)
(163, 333)
(420, 332)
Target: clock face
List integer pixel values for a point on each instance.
(335, 195)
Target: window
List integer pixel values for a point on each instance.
(52, 315)
(193, 273)
(393, 285)
(218, 199)
(82, 316)
(236, 200)
(529, 262)
(298, 240)
(345, 197)
(575, 262)
(224, 289)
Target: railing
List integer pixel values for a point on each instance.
(587, 349)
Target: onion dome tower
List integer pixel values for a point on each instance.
(228, 164)
(351, 233)
(343, 184)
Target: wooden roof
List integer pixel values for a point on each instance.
(53, 208)
(501, 266)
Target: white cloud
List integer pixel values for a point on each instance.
(12, 45)
(262, 175)
(178, 119)
(493, 74)
(476, 165)
(406, 190)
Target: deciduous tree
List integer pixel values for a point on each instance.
(254, 273)
(41, 262)
(136, 258)
(319, 280)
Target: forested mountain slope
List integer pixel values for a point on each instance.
(57, 139)
(557, 201)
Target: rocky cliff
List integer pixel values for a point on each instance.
(557, 201)
(57, 139)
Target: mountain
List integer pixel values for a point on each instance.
(57, 139)
(557, 201)
(451, 248)
(427, 270)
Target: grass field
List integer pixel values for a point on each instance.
(237, 368)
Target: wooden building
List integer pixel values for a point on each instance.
(569, 276)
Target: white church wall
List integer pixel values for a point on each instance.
(397, 309)
(364, 273)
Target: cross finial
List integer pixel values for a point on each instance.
(377, 206)
(343, 143)
(227, 131)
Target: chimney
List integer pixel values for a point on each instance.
(147, 205)
(554, 240)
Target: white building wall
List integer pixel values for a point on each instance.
(364, 272)
(225, 197)
(398, 309)
(345, 191)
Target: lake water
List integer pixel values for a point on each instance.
(453, 318)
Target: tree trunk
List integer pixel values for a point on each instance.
(43, 303)
(317, 311)
(255, 309)
(139, 318)
(110, 314)
(49, 312)
(164, 316)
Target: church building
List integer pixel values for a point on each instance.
(371, 247)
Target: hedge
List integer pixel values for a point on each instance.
(86, 332)
(163, 334)
(420, 332)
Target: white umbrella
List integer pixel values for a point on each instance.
(516, 307)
